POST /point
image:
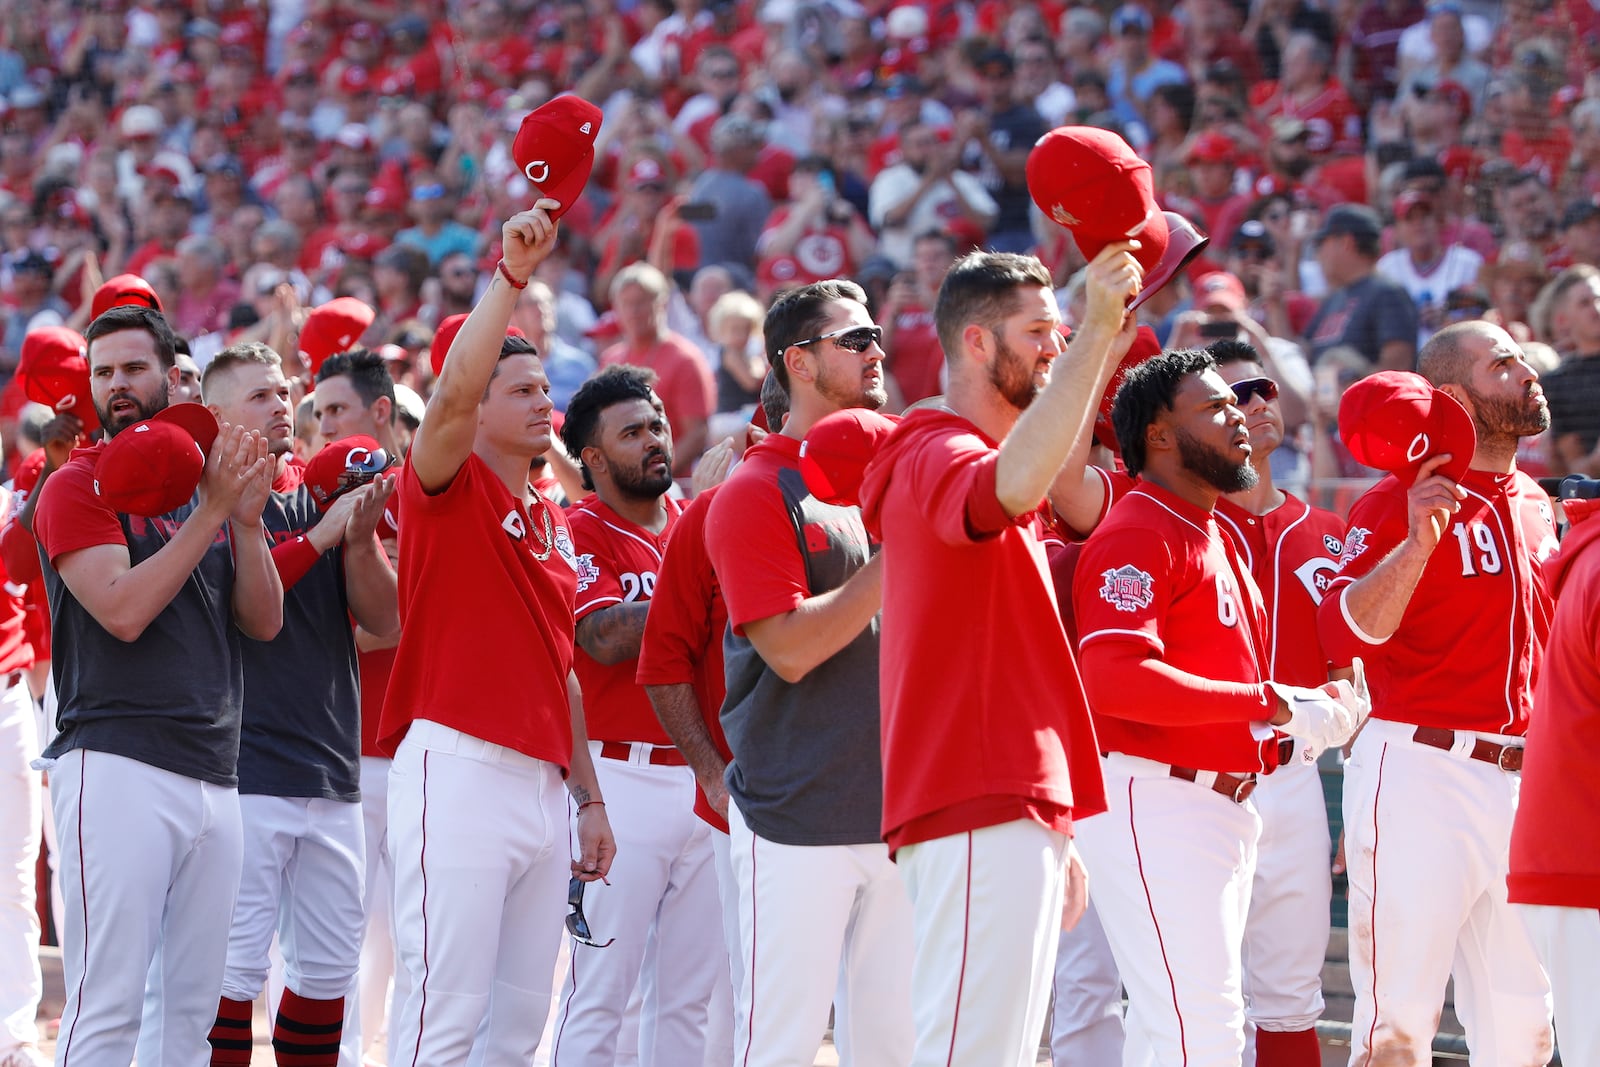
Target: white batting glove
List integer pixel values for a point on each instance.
(1326, 717)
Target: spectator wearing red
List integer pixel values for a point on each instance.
(411, 68)
(1307, 91)
(1211, 35)
(639, 295)
(1213, 159)
(914, 357)
(206, 295)
(718, 77)
(817, 235)
(1534, 140)
(639, 219)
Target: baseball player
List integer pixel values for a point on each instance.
(1173, 651)
(681, 669)
(147, 670)
(1292, 551)
(482, 714)
(1555, 840)
(355, 396)
(299, 744)
(986, 768)
(663, 885)
(1440, 587)
(819, 900)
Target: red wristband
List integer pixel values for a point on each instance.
(505, 273)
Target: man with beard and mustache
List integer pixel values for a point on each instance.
(820, 904)
(1174, 652)
(662, 888)
(987, 765)
(300, 744)
(1441, 588)
(147, 614)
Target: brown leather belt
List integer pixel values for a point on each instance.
(1236, 788)
(1285, 751)
(660, 755)
(13, 678)
(1506, 757)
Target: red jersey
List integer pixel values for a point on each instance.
(1466, 654)
(683, 377)
(486, 594)
(16, 651)
(1063, 551)
(1008, 735)
(683, 633)
(1333, 122)
(917, 359)
(618, 561)
(1292, 552)
(818, 255)
(1159, 575)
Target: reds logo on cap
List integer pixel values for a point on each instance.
(1127, 588)
(554, 148)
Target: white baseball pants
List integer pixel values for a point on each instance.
(148, 858)
(21, 818)
(813, 920)
(1170, 868)
(719, 1025)
(367, 1013)
(1568, 943)
(1086, 1028)
(1427, 836)
(478, 833)
(987, 908)
(662, 885)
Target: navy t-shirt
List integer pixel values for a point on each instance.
(302, 709)
(172, 697)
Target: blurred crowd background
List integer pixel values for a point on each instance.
(1368, 170)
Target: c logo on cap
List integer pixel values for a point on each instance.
(67, 403)
(1418, 449)
(542, 167)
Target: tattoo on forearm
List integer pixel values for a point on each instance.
(613, 634)
(580, 793)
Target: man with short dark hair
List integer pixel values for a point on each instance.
(147, 615)
(820, 902)
(1363, 310)
(662, 890)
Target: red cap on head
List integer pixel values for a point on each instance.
(445, 336)
(836, 451)
(1395, 420)
(1144, 346)
(123, 289)
(1211, 147)
(1410, 199)
(334, 327)
(54, 369)
(554, 148)
(344, 465)
(155, 466)
(1220, 289)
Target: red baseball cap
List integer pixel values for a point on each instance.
(1411, 198)
(1145, 345)
(26, 476)
(334, 327)
(54, 368)
(155, 466)
(445, 336)
(1219, 288)
(123, 289)
(554, 148)
(344, 465)
(1395, 420)
(1211, 147)
(1184, 243)
(835, 453)
(362, 245)
(354, 79)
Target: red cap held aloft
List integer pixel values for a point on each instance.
(1396, 420)
(155, 466)
(54, 369)
(554, 148)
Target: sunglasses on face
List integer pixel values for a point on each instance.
(577, 925)
(851, 338)
(1250, 388)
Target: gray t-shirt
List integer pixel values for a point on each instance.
(742, 206)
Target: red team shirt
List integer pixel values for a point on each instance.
(1159, 575)
(1466, 654)
(970, 740)
(618, 561)
(683, 633)
(473, 591)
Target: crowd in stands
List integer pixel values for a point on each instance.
(1367, 170)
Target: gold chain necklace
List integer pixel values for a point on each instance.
(549, 537)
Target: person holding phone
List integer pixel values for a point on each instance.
(816, 236)
(740, 203)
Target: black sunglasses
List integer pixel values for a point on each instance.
(851, 338)
(577, 925)
(1244, 391)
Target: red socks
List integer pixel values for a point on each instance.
(230, 1035)
(308, 1031)
(1297, 1048)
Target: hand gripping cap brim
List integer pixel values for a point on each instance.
(1184, 243)
(1089, 181)
(554, 148)
(836, 451)
(1396, 420)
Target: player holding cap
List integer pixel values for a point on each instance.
(298, 750)
(1440, 589)
(1174, 639)
(147, 669)
(985, 768)
(482, 712)
(820, 903)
